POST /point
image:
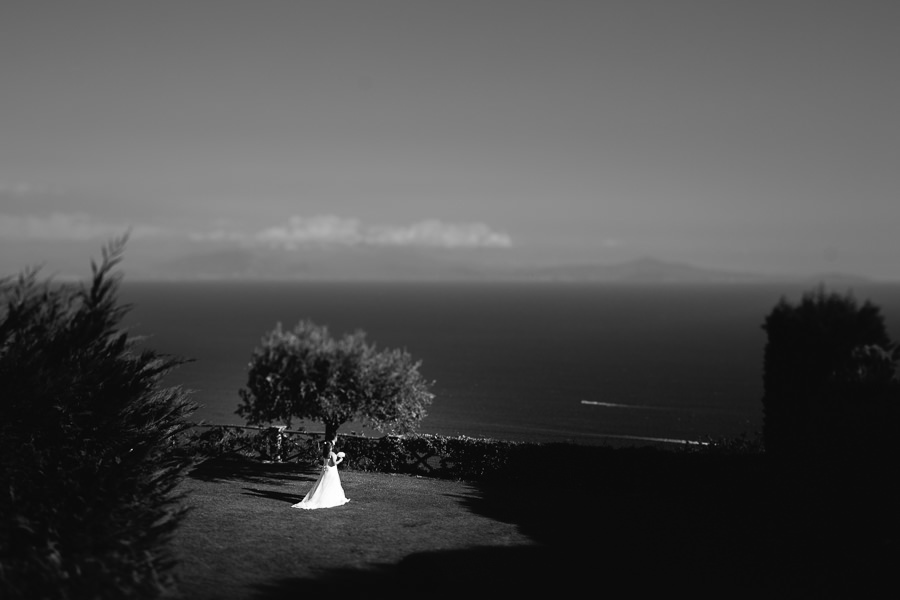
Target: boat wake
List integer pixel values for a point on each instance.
(632, 406)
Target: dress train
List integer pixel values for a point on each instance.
(327, 491)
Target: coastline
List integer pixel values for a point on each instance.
(525, 364)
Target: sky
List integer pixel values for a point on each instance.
(753, 136)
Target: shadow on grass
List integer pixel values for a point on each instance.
(471, 573)
(646, 521)
(236, 467)
(273, 495)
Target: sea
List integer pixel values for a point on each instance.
(535, 362)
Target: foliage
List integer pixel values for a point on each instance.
(429, 455)
(412, 454)
(824, 359)
(457, 458)
(216, 441)
(307, 374)
(88, 458)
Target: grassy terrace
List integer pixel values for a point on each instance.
(628, 519)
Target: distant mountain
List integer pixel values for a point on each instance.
(324, 262)
(838, 279)
(642, 270)
(651, 270)
(317, 262)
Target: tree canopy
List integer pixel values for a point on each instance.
(809, 342)
(305, 373)
(828, 362)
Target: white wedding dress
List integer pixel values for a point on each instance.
(327, 490)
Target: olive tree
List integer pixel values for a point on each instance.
(305, 373)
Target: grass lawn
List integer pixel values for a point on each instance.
(640, 521)
(242, 538)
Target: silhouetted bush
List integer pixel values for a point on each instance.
(88, 453)
(829, 376)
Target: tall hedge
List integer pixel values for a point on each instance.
(88, 453)
(818, 369)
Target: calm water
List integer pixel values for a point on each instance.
(534, 362)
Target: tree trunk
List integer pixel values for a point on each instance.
(331, 429)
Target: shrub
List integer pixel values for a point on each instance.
(429, 455)
(307, 374)
(88, 458)
(268, 444)
(823, 359)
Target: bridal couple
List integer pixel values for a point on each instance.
(327, 490)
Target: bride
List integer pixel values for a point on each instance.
(327, 491)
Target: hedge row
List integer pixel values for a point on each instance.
(459, 458)
(428, 455)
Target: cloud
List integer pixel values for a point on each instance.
(68, 227)
(325, 229)
(329, 229)
(447, 235)
(21, 188)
